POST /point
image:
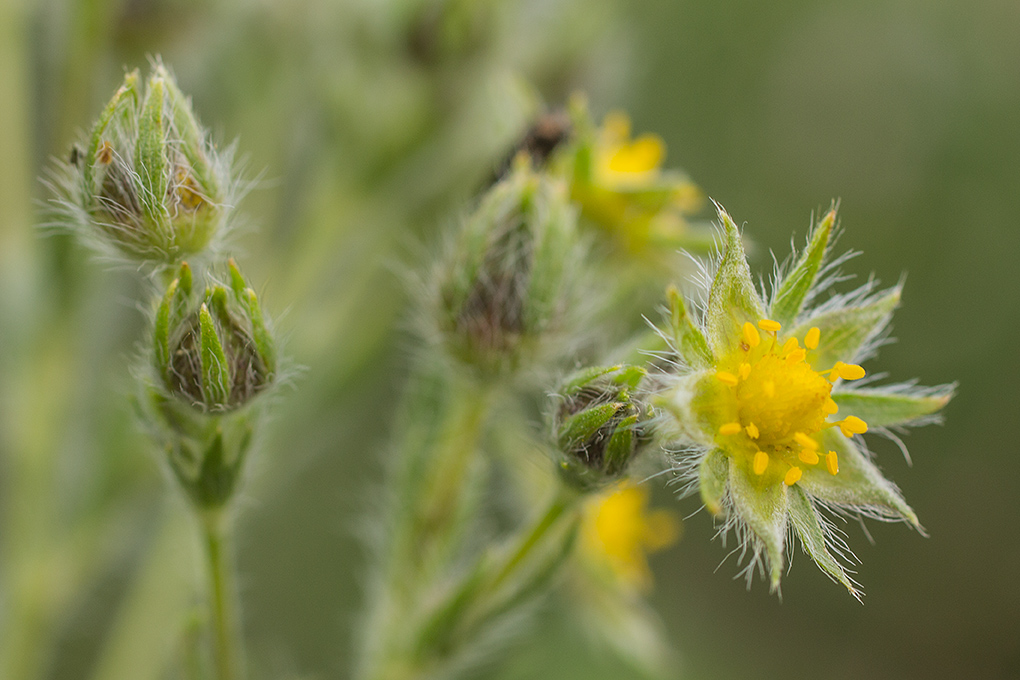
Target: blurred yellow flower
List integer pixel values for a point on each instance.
(619, 531)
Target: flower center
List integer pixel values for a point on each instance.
(782, 403)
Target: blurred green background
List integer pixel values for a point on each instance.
(371, 124)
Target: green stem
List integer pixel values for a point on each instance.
(226, 637)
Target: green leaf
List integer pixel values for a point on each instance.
(793, 291)
(761, 502)
(713, 474)
(733, 299)
(150, 153)
(689, 340)
(858, 485)
(845, 331)
(806, 523)
(215, 369)
(880, 407)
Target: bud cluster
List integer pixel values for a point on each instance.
(600, 424)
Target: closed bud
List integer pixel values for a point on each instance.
(148, 181)
(213, 350)
(600, 425)
(505, 288)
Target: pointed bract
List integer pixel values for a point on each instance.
(733, 299)
(795, 286)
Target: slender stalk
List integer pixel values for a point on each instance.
(222, 603)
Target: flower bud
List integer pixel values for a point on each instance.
(149, 182)
(213, 352)
(504, 290)
(599, 425)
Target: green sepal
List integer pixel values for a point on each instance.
(263, 339)
(621, 446)
(129, 88)
(190, 133)
(161, 329)
(793, 291)
(845, 331)
(581, 379)
(805, 521)
(631, 376)
(215, 372)
(150, 153)
(733, 300)
(690, 342)
(761, 502)
(583, 425)
(858, 484)
(186, 278)
(219, 303)
(237, 282)
(884, 408)
(713, 475)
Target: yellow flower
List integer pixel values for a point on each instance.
(619, 531)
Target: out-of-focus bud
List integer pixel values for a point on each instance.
(505, 288)
(149, 182)
(213, 351)
(599, 424)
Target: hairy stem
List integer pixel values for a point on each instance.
(222, 603)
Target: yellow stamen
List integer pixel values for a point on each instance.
(796, 355)
(751, 336)
(752, 430)
(804, 440)
(792, 476)
(769, 326)
(730, 428)
(850, 371)
(834, 372)
(761, 461)
(852, 425)
(830, 407)
(745, 370)
(832, 462)
(727, 378)
(808, 456)
(812, 338)
(790, 345)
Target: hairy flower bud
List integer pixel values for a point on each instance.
(599, 425)
(148, 181)
(213, 352)
(504, 290)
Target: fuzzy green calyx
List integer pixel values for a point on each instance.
(600, 424)
(149, 181)
(764, 403)
(504, 289)
(214, 351)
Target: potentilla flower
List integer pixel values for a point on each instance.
(768, 407)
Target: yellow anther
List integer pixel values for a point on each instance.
(745, 370)
(752, 430)
(727, 378)
(730, 428)
(790, 345)
(770, 388)
(812, 338)
(792, 476)
(852, 425)
(751, 336)
(832, 462)
(761, 461)
(808, 456)
(804, 440)
(850, 371)
(830, 407)
(769, 326)
(796, 355)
